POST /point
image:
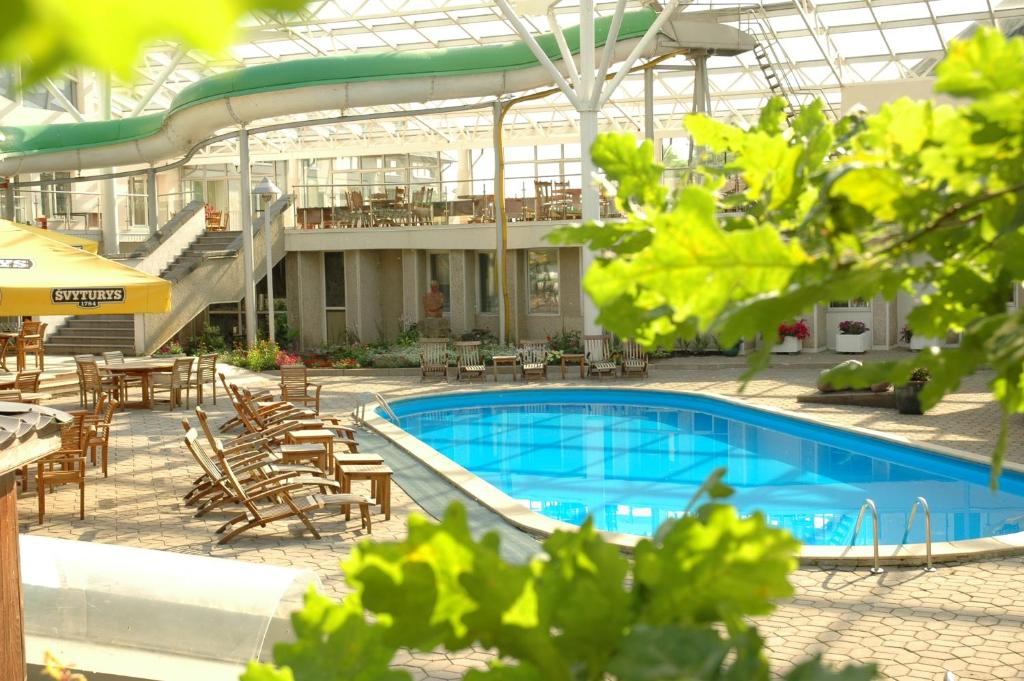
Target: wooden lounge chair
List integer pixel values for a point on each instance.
(252, 463)
(533, 359)
(599, 356)
(467, 359)
(634, 360)
(235, 422)
(296, 388)
(434, 358)
(288, 499)
(276, 419)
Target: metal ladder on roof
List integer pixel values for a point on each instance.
(776, 66)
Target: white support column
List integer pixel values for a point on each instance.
(9, 201)
(151, 208)
(649, 112)
(701, 95)
(268, 242)
(499, 223)
(591, 211)
(245, 190)
(108, 202)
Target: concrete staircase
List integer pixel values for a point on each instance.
(207, 245)
(93, 334)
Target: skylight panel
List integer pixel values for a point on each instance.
(356, 41)
(283, 48)
(444, 34)
(846, 17)
(490, 29)
(915, 10)
(913, 39)
(947, 7)
(861, 43)
(954, 29)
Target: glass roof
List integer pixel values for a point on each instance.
(818, 47)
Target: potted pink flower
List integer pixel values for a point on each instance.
(853, 337)
(791, 337)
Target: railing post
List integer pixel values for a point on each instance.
(151, 209)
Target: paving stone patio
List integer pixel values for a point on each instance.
(966, 617)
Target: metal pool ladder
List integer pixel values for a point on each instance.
(869, 504)
(387, 407)
(923, 503)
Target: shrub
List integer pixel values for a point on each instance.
(920, 375)
(410, 335)
(346, 363)
(169, 349)
(262, 356)
(399, 358)
(208, 341)
(235, 357)
(797, 330)
(482, 335)
(566, 342)
(853, 328)
(285, 358)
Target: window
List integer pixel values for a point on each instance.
(852, 304)
(542, 280)
(8, 83)
(39, 97)
(137, 200)
(438, 269)
(334, 296)
(55, 196)
(488, 276)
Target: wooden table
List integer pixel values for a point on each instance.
(505, 360)
(579, 358)
(314, 453)
(314, 436)
(380, 483)
(142, 368)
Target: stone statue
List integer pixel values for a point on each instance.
(433, 302)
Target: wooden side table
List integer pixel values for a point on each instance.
(318, 436)
(305, 453)
(507, 361)
(578, 358)
(380, 483)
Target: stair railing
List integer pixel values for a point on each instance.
(921, 502)
(869, 504)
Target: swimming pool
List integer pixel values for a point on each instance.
(633, 458)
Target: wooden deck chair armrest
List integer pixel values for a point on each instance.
(275, 490)
(69, 459)
(247, 438)
(243, 460)
(353, 446)
(316, 393)
(255, 443)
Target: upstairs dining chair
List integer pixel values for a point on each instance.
(542, 192)
(173, 383)
(66, 465)
(433, 358)
(422, 211)
(116, 357)
(357, 206)
(206, 373)
(295, 387)
(598, 356)
(533, 359)
(30, 342)
(94, 382)
(468, 362)
(634, 359)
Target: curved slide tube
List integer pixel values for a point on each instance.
(330, 83)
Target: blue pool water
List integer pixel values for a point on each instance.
(632, 459)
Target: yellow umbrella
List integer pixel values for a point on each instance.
(85, 244)
(41, 276)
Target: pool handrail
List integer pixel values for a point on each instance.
(876, 569)
(923, 503)
(386, 407)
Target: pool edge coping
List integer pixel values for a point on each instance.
(810, 554)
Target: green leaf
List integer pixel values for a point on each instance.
(670, 653)
(814, 670)
(46, 36)
(985, 65)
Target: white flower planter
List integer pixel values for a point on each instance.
(853, 342)
(922, 342)
(789, 345)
